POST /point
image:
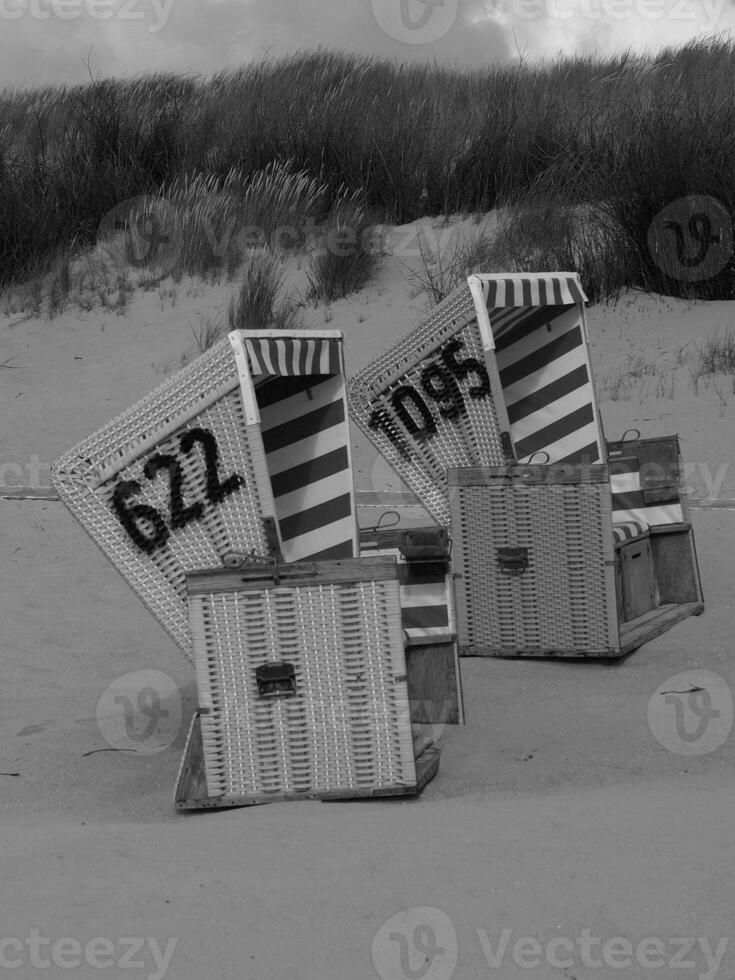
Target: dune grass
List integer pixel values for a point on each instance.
(260, 303)
(584, 152)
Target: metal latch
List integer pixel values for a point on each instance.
(426, 543)
(513, 561)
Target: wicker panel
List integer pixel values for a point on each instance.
(534, 561)
(471, 437)
(203, 396)
(346, 727)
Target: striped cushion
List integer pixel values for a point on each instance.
(425, 598)
(628, 531)
(424, 601)
(628, 501)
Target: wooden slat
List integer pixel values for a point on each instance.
(532, 474)
(434, 689)
(652, 624)
(371, 569)
(28, 493)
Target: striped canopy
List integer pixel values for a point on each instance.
(292, 355)
(554, 289)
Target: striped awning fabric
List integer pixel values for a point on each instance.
(557, 289)
(628, 530)
(293, 355)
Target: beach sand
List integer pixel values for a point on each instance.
(555, 809)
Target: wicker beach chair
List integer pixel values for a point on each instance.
(244, 451)
(498, 372)
(542, 570)
(301, 674)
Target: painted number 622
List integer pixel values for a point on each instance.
(146, 525)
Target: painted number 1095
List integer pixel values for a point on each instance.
(440, 383)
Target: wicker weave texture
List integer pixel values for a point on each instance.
(202, 398)
(563, 602)
(347, 727)
(470, 437)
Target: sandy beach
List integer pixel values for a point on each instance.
(555, 811)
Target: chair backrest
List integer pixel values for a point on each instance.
(433, 400)
(176, 482)
(186, 478)
(499, 371)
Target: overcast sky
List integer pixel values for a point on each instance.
(45, 41)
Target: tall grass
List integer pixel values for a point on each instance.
(346, 255)
(636, 133)
(221, 219)
(259, 303)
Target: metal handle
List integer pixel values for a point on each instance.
(276, 679)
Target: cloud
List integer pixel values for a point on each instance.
(49, 40)
(129, 37)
